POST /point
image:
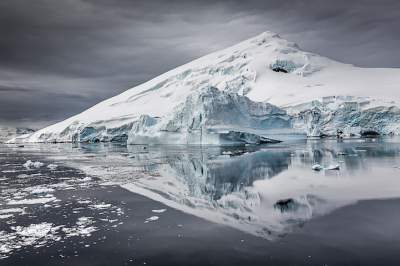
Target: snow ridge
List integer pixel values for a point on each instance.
(263, 69)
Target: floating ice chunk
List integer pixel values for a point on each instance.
(6, 216)
(85, 179)
(34, 231)
(31, 201)
(12, 210)
(84, 201)
(52, 166)
(30, 164)
(333, 167)
(152, 219)
(159, 211)
(22, 236)
(39, 190)
(101, 206)
(109, 220)
(317, 167)
(9, 171)
(83, 227)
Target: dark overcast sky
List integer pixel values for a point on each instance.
(58, 58)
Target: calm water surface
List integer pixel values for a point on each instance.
(107, 204)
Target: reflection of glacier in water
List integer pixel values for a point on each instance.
(241, 187)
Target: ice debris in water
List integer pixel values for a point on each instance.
(100, 206)
(83, 227)
(40, 234)
(52, 166)
(39, 190)
(159, 211)
(30, 164)
(22, 236)
(151, 219)
(12, 210)
(317, 167)
(333, 167)
(6, 216)
(43, 200)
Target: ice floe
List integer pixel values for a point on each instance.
(151, 219)
(317, 167)
(30, 164)
(6, 216)
(333, 167)
(101, 206)
(29, 198)
(52, 166)
(31, 235)
(43, 200)
(159, 210)
(84, 227)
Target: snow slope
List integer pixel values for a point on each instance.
(7, 132)
(265, 68)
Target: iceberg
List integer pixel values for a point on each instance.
(237, 95)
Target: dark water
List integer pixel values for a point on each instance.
(207, 205)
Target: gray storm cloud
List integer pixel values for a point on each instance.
(60, 57)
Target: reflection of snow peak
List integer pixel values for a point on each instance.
(246, 188)
(265, 68)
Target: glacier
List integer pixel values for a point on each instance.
(214, 117)
(346, 117)
(237, 96)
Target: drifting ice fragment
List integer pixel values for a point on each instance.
(29, 164)
(151, 219)
(159, 211)
(317, 167)
(333, 167)
(52, 166)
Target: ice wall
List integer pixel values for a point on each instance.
(211, 116)
(346, 118)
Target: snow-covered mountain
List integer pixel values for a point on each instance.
(236, 95)
(8, 132)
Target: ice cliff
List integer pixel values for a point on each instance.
(235, 96)
(211, 116)
(346, 117)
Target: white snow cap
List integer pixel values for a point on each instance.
(265, 68)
